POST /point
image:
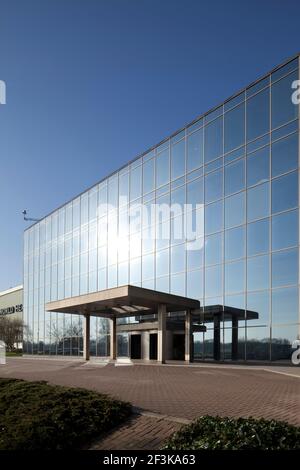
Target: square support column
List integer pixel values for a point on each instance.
(188, 337)
(113, 338)
(86, 337)
(161, 336)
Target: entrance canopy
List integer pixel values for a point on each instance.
(122, 302)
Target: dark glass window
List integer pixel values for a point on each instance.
(258, 166)
(234, 125)
(285, 155)
(285, 192)
(258, 115)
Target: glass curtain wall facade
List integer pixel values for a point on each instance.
(240, 162)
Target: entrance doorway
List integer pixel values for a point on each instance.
(135, 347)
(153, 346)
(178, 347)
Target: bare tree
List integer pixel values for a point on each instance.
(11, 331)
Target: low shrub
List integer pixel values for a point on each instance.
(216, 433)
(39, 416)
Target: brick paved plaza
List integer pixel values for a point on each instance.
(179, 393)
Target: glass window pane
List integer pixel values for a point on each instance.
(283, 109)
(282, 343)
(162, 263)
(258, 344)
(214, 249)
(148, 176)
(235, 210)
(285, 268)
(258, 166)
(285, 305)
(258, 203)
(258, 273)
(178, 196)
(162, 168)
(285, 230)
(195, 150)
(195, 257)
(148, 267)
(178, 159)
(235, 277)
(195, 192)
(234, 177)
(214, 217)
(136, 183)
(258, 114)
(285, 192)
(285, 155)
(178, 284)
(214, 186)
(213, 281)
(235, 244)
(178, 258)
(195, 284)
(213, 145)
(234, 125)
(258, 237)
(259, 302)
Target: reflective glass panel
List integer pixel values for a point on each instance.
(285, 192)
(214, 217)
(235, 245)
(283, 109)
(195, 284)
(213, 281)
(258, 115)
(234, 177)
(285, 305)
(285, 268)
(213, 145)
(235, 277)
(258, 344)
(214, 249)
(214, 186)
(285, 155)
(235, 210)
(258, 203)
(195, 192)
(148, 176)
(285, 230)
(177, 258)
(258, 237)
(258, 273)
(178, 159)
(162, 263)
(234, 124)
(282, 343)
(259, 302)
(162, 168)
(258, 166)
(195, 150)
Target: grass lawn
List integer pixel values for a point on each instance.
(36, 415)
(215, 433)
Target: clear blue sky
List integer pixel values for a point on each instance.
(93, 83)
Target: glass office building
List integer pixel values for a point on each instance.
(236, 169)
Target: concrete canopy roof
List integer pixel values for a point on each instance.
(122, 302)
